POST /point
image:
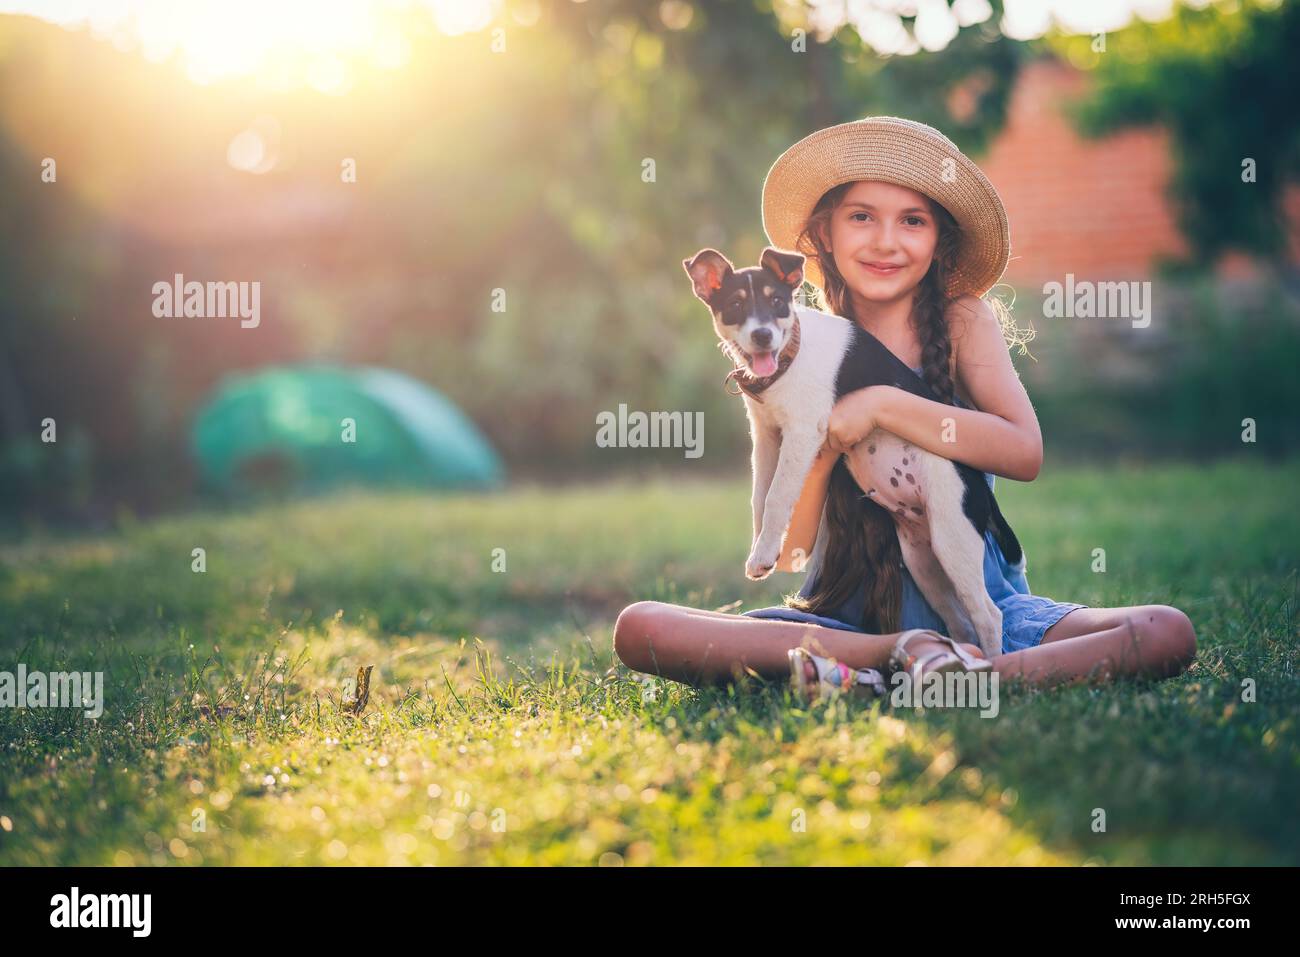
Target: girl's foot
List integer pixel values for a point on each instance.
(921, 650)
(814, 676)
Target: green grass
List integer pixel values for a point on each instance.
(500, 729)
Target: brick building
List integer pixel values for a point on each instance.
(1096, 208)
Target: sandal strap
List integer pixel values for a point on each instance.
(838, 671)
(873, 679)
(834, 675)
(914, 663)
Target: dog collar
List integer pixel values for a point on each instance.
(754, 386)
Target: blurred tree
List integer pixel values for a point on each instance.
(37, 339)
(1223, 81)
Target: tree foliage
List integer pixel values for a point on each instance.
(1223, 81)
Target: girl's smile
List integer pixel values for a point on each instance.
(883, 269)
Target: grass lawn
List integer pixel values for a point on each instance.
(499, 729)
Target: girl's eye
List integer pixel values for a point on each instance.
(909, 220)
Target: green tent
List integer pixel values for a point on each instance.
(311, 428)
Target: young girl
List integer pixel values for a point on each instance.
(903, 234)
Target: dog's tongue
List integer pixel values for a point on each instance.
(764, 364)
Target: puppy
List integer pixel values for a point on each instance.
(793, 364)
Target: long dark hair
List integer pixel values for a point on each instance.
(861, 544)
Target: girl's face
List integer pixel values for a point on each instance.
(882, 239)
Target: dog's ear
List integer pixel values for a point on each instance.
(788, 267)
(707, 271)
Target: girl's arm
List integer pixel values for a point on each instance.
(1003, 439)
(807, 512)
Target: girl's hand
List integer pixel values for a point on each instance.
(853, 418)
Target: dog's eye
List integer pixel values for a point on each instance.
(777, 300)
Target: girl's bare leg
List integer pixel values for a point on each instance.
(709, 647)
(1144, 641)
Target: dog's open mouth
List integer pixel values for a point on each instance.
(763, 364)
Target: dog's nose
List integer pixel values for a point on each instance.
(762, 337)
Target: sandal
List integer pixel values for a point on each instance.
(833, 677)
(917, 664)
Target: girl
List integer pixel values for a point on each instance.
(903, 235)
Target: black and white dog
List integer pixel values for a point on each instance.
(792, 364)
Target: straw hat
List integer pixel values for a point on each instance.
(899, 151)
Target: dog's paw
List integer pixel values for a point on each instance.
(759, 565)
